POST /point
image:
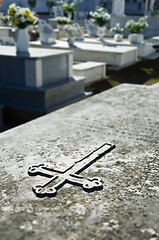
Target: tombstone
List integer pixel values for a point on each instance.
(79, 33)
(127, 205)
(118, 7)
(91, 28)
(47, 34)
(58, 11)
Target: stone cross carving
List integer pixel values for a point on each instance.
(70, 175)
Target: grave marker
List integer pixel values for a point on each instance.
(47, 34)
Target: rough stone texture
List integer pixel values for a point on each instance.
(128, 205)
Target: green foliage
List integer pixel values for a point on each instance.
(138, 26)
(100, 17)
(117, 29)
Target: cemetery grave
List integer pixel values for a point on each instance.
(38, 85)
(88, 170)
(127, 205)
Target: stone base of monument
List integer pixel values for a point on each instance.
(39, 83)
(92, 71)
(23, 104)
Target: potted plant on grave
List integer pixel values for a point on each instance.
(100, 18)
(71, 33)
(69, 8)
(62, 22)
(21, 19)
(136, 28)
(50, 4)
(118, 32)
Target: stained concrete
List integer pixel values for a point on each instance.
(126, 208)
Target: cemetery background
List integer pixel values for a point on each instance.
(127, 207)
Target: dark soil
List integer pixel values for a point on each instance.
(145, 72)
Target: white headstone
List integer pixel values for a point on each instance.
(47, 34)
(79, 33)
(91, 28)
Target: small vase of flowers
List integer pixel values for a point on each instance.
(100, 18)
(118, 32)
(62, 22)
(136, 28)
(21, 18)
(71, 34)
(69, 8)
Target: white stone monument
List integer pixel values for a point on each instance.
(47, 34)
(79, 33)
(91, 28)
(118, 7)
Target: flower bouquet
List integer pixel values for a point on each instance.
(138, 26)
(118, 32)
(21, 18)
(63, 20)
(100, 17)
(69, 8)
(117, 29)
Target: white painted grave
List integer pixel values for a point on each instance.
(144, 49)
(92, 71)
(117, 56)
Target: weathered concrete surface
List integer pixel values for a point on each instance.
(127, 207)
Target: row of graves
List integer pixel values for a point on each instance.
(59, 59)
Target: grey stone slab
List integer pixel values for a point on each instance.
(118, 56)
(126, 208)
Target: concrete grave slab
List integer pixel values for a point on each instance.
(118, 56)
(92, 71)
(144, 49)
(127, 206)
